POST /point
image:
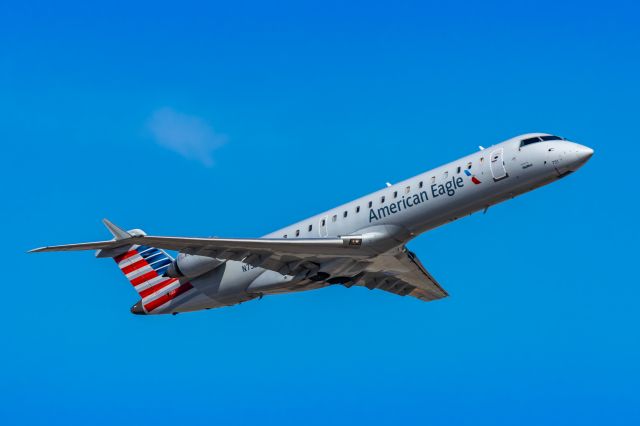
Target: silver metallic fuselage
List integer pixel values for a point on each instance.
(389, 218)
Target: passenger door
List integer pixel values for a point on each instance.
(498, 171)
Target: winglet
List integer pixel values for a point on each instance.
(118, 233)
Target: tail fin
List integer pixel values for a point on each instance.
(144, 266)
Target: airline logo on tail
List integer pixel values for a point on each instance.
(143, 266)
(473, 177)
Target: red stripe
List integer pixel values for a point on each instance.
(124, 256)
(144, 277)
(167, 297)
(136, 265)
(147, 291)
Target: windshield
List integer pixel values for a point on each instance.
(535, 139)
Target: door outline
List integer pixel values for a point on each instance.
(496, 164)
(323, 230)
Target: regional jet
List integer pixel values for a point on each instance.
(360, 243)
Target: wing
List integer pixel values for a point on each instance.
(402, 274)
(279, 254)
(399, 272)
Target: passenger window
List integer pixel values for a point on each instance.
(469, 164)
(334, 218)
(446, 174)
(324, 222)
(458, 170)
(285, 236)
(370, 204)
(420, 185)
(297, 232)
(358, 209)
(481, 160)
(310, 228)
(433, 179)
(382, 200)
(407, 189)
(344, 214)
(395, 194)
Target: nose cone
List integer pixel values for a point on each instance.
(579, 156)
(584, 153)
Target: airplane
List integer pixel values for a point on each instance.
(360, 243)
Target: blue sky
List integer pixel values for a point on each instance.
(236, 119)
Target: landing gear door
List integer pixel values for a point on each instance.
(498, 171)
(323, 230)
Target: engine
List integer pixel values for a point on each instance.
(192, 266)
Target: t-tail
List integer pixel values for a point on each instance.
(144, 267)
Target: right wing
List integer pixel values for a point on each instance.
(402, 274)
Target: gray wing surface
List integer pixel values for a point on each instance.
(283, 255)
(399, 272)
(402, 274)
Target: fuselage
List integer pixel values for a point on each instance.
(395, 214)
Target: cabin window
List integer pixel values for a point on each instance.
(285, 236)
(420, 185)
(370, 204)
(446, 174)
(407, 189)
(481, 160)
(310, 228)
(297, 232)
(433, 179)
(458, 170)
(324, 222)
(334, 218)
(469, 164)
(344, 214)
(395, 194)
(382, 200)
(358, 209)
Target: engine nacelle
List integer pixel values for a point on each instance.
(192, 266)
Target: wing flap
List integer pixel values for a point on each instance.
(402, 274)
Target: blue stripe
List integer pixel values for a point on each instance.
(161, 263)
(150, 253)
(140, 249)
(156, 257)
(162, 270)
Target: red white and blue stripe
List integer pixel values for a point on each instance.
(143, 266)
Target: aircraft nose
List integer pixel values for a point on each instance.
(577, 155)
(584, 153)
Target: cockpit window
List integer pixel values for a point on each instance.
(529, 141)
(535, 139)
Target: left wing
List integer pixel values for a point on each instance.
(279, 254)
